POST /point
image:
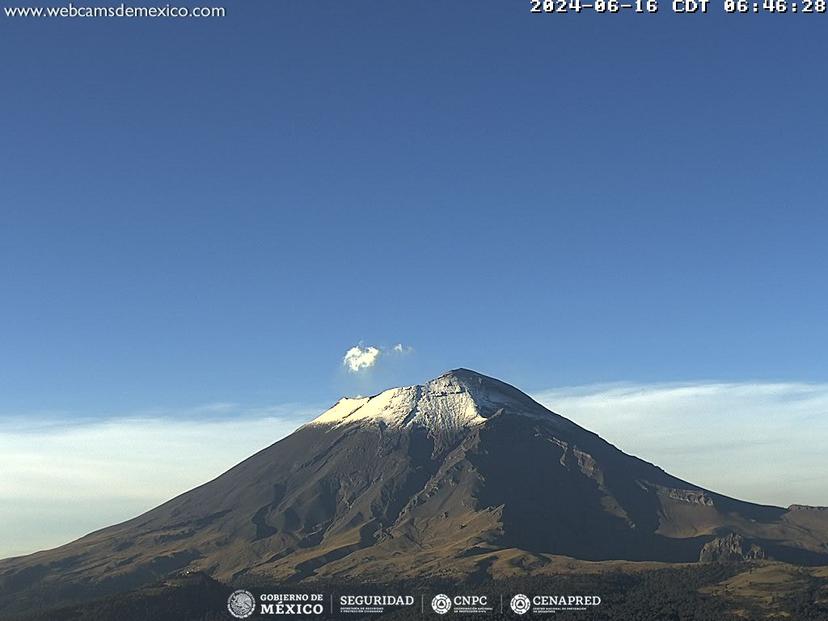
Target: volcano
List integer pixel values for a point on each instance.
(462, 474)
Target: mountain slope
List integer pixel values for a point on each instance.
(451, 476)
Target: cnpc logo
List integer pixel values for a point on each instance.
(441, 604)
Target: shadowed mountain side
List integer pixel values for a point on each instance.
(422, 480)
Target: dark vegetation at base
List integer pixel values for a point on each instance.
(190, 598)
(658, 595)
(802, 607)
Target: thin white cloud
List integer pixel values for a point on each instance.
(62, 478)
(359, 358)
(756, 441)
(399, 348)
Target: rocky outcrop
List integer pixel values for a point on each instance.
(694, 497)
(731, 548)
(807, 508)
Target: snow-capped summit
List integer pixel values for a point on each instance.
(455, 400)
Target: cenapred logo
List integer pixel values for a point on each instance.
(241, 604)
(441, 604)
(520, 604)
(552, 604)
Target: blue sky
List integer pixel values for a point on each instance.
(201, 212)
(196, 211)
